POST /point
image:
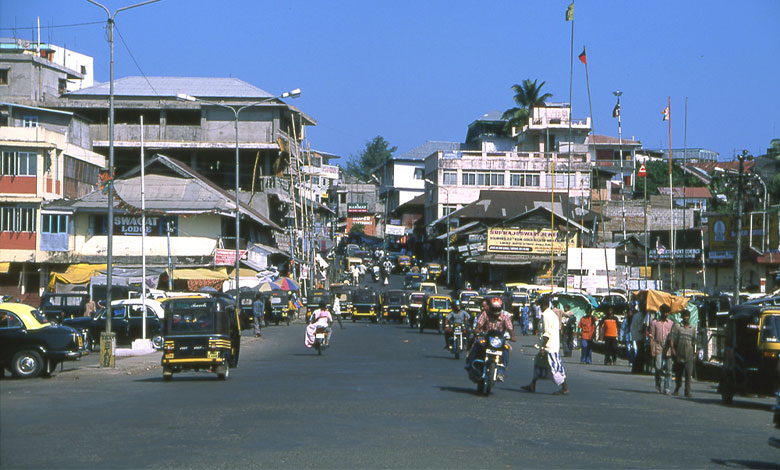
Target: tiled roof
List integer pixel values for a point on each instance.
(709, 167)
(690, 192)
(200, 87)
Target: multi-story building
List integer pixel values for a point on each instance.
(357, 203)
(544, 161)
(45, 155)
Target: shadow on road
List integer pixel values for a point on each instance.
(612, 371)
(646, 392)
(746, 463)
(449, 358)
(466, 391)
(744, 405)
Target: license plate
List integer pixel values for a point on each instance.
(319, 336)
(493, 352)
(457, 331)
(213, 355)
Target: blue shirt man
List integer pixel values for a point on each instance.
(258, 312)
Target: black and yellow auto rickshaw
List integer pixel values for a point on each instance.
(278, 309)
(316, 296)
(403, 263)
(435, 311)
(414, 312)
(394, 305)
(365, 304)
(200, 334)
(752, 348)
(434, 271)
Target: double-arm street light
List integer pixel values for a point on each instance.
(107, 350)
(236, 111)
(447, 210)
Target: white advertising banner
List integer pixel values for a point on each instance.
(395, 230)
(592, 259)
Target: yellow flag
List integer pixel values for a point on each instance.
(570, 12)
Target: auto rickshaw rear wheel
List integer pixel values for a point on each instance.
(223, 371)
(167, 374)
(288, 321)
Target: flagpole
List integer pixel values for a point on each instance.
(622, 183)
(568, 175)
(685, 202)
(671, 198)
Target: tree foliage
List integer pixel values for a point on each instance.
(658, 177)
(527, 95)
(376, 152)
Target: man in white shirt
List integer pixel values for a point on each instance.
(548, 362)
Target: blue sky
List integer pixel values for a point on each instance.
(413, 71)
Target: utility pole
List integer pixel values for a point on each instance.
(738, 256)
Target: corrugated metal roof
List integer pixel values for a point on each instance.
(200, 87)
(429, 147)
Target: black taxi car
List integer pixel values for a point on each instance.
(31, 346)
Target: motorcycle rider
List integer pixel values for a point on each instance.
(376, 270)
(457, 316)
(319, 318)
(495, 318)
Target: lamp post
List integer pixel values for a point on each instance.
(622, 183)
(447, 209)
(107, 350)
(738, 256)
(236, 111)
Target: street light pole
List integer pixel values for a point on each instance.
(107, 350)
(622, 184)
(738, 256)
(447, 209)
(236, 111)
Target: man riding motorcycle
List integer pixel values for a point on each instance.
(495, 318)
(456, 317)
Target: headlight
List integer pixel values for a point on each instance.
(495, 342)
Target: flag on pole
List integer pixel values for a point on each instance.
(570, 12)
(582, 56)
(666, 113)
(616, 111)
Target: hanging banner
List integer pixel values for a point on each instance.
(227, 257)
(510, 240)
(395, 230)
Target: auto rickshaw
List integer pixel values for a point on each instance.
(435, 311)
(412, 281)
(365, 304)
(465, 295)
(394, 305)
(473, 306)
(416, 301)
(403, 263)
(315, 297)
(434, 271)
(278, 308)
(200, 334)
(344, 294)
(751, 364)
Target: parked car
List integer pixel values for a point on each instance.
(126, 322)
(31, 346)
(58, 306)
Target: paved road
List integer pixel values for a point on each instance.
(382, 396)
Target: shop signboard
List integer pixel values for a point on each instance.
(661, 253)
(155, 225)
(517, 240)
(723, 231)
(357, 208)
(395, 230)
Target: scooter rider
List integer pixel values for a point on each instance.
(495, 318)
(457, 316)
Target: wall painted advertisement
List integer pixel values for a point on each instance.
(511, 240)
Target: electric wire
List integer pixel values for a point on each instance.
(122, 38)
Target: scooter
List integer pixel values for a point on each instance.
(487, 365)
(320, 339)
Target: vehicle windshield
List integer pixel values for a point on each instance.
(416, 298)
(441, 304)
(428, 289)
(191, 317)
(464, 297)
(364, 298)
(40, 317)
(316, 299)
(770, 331)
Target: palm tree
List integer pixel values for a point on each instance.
(527, 96)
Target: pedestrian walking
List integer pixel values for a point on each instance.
(659, 330)
(586, 327)
(337, 310)
(625, 338)
(610, 326)
(548, 361)
(638, 333)
(258, 314)
(537, 319)
(682, 342)
(524, 319)
(568, 326)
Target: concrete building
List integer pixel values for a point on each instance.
(45, 155)
(357, 203)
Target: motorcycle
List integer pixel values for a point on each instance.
(459, 339)
(376, 275)
(488, 361)
(320, 339)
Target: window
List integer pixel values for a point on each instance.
(17, 219)
(468, 179)
(54, 223)
(482, 179)
(450, 178)
(3, 76)
(418, 173)
(10, 320)
(18, 164)
(30, 121)
(515, 179)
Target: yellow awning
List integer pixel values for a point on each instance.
(244, 272)
(201, 273)
(4, 268)
(76, 274)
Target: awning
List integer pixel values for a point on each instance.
(509, 260)
(201, 273)
(243, 272)
(76, 274)
(4, 268)
(463, 228)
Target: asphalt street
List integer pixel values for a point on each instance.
(382, 396)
